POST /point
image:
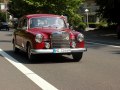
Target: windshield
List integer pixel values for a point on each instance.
(54, 22)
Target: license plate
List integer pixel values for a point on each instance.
(66, 50)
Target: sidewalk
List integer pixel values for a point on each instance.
(102, 36)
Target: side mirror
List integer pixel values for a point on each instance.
(71, 27)
(67, 25)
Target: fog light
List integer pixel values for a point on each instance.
(73, 44)
(47, 45)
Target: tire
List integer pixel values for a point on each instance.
(30, 56)
(16, 50)
(77, 56)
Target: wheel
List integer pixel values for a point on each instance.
(30, 56)
(15, 49)
(77, 56)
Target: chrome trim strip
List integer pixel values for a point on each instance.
(41, 51)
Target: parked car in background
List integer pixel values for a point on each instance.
(47, 34)
(4, 25)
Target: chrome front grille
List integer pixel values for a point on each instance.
(60, 40)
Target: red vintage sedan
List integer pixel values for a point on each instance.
(47, 34)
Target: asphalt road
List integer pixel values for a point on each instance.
(99, 68)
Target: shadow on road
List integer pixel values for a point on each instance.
(116, 52)
(102, 36)
(5, 41)
(40, 59)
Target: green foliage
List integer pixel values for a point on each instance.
(109, 10)
(61, 7)
(2, 16)
(80, 27)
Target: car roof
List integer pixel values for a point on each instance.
(41, 15)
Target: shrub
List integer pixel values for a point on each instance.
(80, 27)
(2, 16)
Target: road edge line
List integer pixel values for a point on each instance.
(43, 84)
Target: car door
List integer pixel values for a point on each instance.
(20, 32)
(24, 33)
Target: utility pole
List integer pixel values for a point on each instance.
(86, 10)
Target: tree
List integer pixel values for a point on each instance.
(2, 16)
(68, 8)
(109, 10)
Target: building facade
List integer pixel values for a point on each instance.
(3, 5)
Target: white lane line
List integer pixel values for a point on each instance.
(105, 44)
(43, 84)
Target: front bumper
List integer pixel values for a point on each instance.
(58, 50)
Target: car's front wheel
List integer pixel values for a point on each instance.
(29, 54)
(77, 56)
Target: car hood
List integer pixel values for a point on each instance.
(48, 31)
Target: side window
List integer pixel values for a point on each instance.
(22, 24)
(33, 23)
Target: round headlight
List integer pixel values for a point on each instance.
(38, 38)
(80, 37)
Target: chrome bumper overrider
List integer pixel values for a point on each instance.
(58, 50)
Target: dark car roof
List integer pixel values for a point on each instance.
(41, 15)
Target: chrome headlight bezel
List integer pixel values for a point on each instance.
(39, 38)
(80, 37)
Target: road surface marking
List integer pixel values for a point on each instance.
(105, 44)
(43, 84)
